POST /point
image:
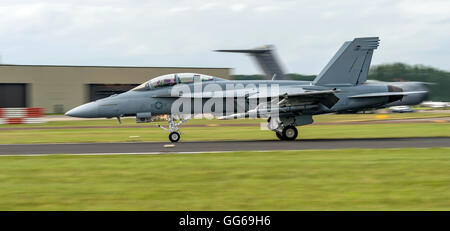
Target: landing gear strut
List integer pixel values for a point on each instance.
(174, 130)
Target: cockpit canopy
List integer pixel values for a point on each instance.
(172, 79)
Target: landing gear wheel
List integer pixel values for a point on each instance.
(174, 137)
(279, 135)
(290, 133)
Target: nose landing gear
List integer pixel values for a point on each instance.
(174, 137)
(174, 130)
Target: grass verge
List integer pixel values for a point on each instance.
(153, 133)
(352, 179)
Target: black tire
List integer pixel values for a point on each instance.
(279, 135)
(290, 133)
(174, 137)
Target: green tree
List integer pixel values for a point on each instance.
(439, 79)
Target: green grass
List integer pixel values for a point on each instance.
(319, 119)
(352, 179)
(222, 133)
(249, 130)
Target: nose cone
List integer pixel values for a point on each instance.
(89, 110)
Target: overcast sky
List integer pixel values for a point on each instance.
(184, 33)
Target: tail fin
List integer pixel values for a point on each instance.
(266, 60)
(350, 65)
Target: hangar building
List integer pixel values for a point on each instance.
(57, 89)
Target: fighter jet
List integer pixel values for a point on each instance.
(340, 86)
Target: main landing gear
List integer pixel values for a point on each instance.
(284, 129)
(288, 133)
(174, 130)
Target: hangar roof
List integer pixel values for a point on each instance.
(33, 65)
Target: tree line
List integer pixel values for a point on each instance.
(439, 79)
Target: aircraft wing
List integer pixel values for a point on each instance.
(290, 100)
(290, 95)
(294, 96)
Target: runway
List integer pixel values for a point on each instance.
(218, 146)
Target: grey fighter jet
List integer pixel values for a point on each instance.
(340, 86)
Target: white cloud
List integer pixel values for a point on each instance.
(181, 32)
(237, 7)
(178, 9)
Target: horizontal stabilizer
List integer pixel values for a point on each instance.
(384, 94)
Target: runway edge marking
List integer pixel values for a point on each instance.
(187, 153)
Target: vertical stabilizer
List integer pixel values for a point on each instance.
(350, 65)
(266, 60)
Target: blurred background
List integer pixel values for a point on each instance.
(56, 55)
